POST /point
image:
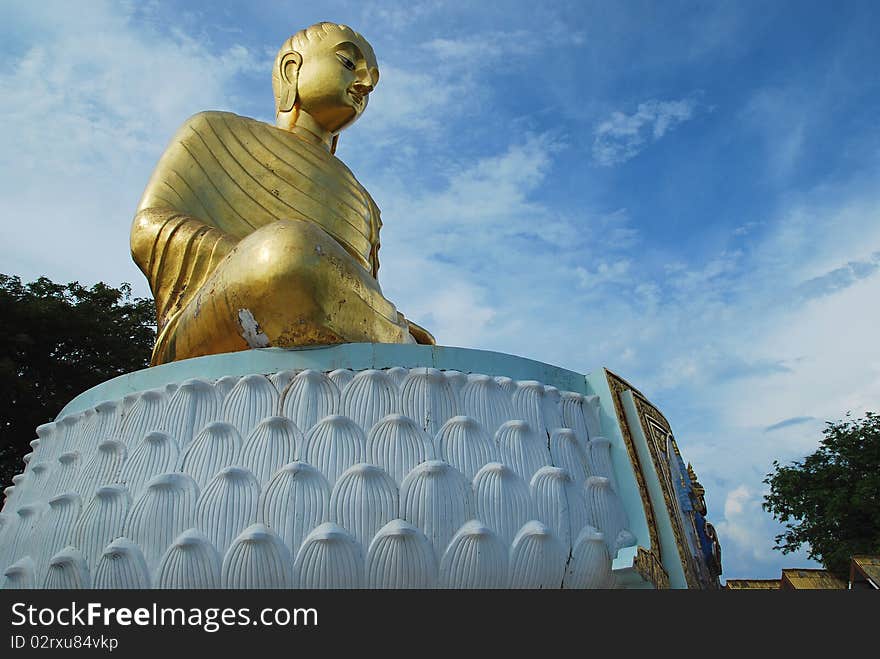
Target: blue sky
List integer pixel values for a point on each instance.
(686, 193)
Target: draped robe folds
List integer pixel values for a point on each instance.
(224, 177)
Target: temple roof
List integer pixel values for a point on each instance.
(865, 570)
(802, 579)
(752, 584)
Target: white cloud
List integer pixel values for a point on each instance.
(442, 299)
(605, 273)
(407, 102)
(480, 48)
(746, 228)
(425, 90)
(477, 205)
(746, 533)
(452, 251)
(833, 365)
(621, 136)
(402, 16)
(614, 231)
(87, 108)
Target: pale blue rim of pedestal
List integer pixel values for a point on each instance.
(356, 356)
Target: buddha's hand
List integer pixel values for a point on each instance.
(420, 334)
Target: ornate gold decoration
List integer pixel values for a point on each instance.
(659, 434)
(648, 564)
(252, 235)
(663, 448)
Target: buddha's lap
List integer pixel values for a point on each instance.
(300, 259)
(299, 285)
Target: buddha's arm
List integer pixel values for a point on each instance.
(177, 253)
(176, 241)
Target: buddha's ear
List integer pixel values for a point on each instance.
(288, 71)
(334, 143)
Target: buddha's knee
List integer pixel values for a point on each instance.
(304, 288)
(285, 241)
(294, 261)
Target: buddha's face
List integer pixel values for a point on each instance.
(335, 80)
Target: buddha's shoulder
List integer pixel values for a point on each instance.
(217, 120)
(223, 125)
(227, 126)
(214, 126)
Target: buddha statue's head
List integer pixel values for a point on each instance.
(322, 78)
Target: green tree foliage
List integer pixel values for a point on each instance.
(56, 341)
(831, 500)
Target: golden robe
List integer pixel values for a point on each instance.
(224, 178)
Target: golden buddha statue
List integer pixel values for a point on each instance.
(253, 235)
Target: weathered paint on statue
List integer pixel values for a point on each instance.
(252, 235)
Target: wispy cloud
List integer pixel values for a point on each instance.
(785, 423)
(746, 228)
(781, 116)
(622, 136)
(399, 17)
(454, 248)
(604, 273)
(483, 46)
(839, 278)
(736, 368)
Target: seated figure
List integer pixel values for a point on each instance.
(253, 235)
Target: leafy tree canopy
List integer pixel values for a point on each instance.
(56, 341)
(831, 500)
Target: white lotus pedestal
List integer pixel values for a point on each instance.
(352, 466)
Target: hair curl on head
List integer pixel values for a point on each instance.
(301, 41)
